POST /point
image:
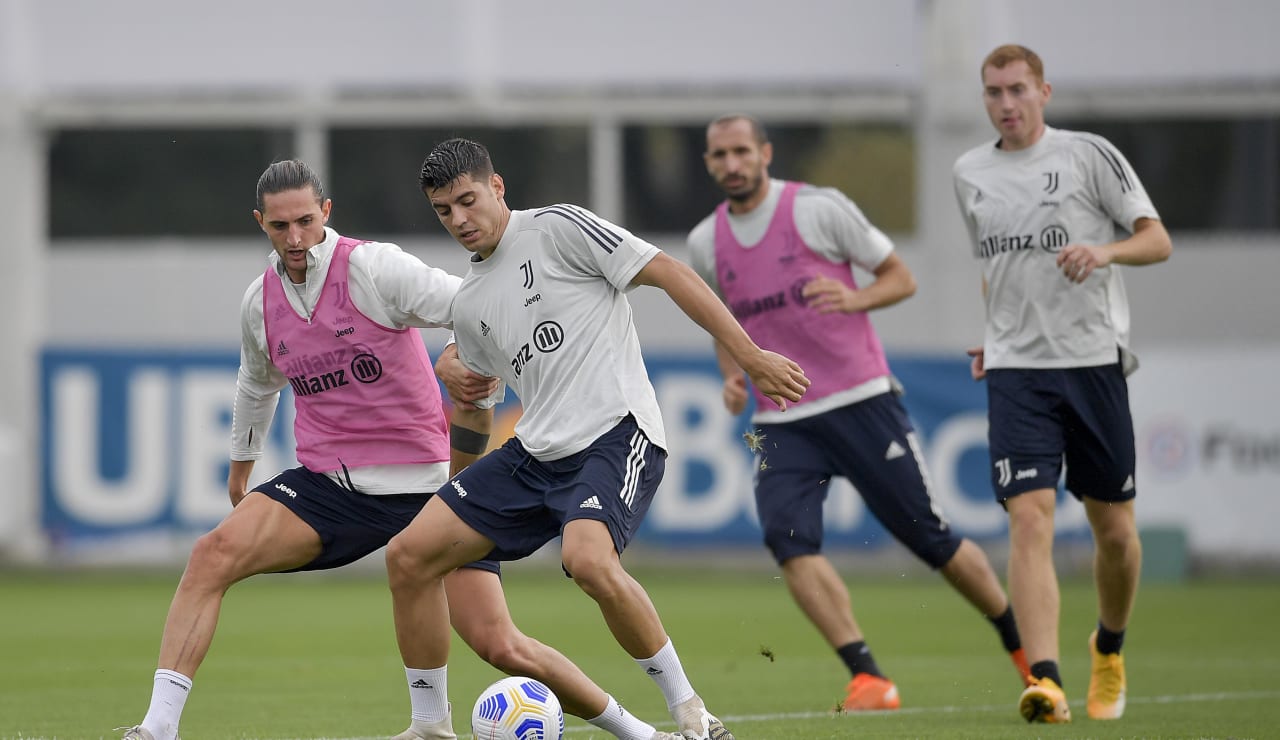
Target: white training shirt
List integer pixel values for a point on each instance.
(1021, 208)
(546, 313)
(390, 287)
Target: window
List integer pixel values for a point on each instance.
(374, 180)
(668, 189)
(155, 182)
(1202, 174)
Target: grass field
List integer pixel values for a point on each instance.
(313, 656)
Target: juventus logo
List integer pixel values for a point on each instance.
(1004, 472)
(1051, 182)
(527, 269)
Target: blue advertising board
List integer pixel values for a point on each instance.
(134, 445)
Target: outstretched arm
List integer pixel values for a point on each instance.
(777, 377)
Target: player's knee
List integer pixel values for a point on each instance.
(404, 564)
(213, 559)
(1115, 536)
(598, 577)
(506, 652)
(785, 545)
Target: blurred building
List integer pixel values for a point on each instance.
(131, 134)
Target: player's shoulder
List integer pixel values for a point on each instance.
(704, 230)
(822, 196)
(976, 158)
(569, 224)
(1083, 143)
(562, 217)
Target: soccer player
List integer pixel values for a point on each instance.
(780, 255)
(335, 318)
(543, 307)
(1051, 215)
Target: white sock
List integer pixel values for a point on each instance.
(666, 671)
(618, 721)
(428, 692)
(168, 697)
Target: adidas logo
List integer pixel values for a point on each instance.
(895, 451)
(484, 329)
(1128, 485)
(591, 503)
(421, 684)
(281, 349)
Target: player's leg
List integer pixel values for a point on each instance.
(478, 610)
(1027, 441)
(1100, 469)
(447, 534)
(418, 558)
(602, 495)
(792, 475)
(874, 444)
(260, 535)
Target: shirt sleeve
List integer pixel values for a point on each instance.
(834, 227)
(410, 291)
(258, 382)
(702, 252)
(1119, 191)
(593, 246)
(962, 202)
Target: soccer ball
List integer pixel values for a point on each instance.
(517, 708)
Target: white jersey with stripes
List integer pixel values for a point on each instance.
(548, 315)
(1021, 208)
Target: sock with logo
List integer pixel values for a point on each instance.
(1047, 669)
(1008, 629)
(665, 670)
(168, 697)
(428, 692)
(857, 656)
(1108, 642)
(618, 721)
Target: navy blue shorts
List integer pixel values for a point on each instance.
(522, 503)
(1041, 418)
(351, 525)
(873, 444)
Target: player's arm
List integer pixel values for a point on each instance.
(977, 365)
(777, 377)
(464, 386)
(1149, 244)
(893, 283)
(258, 385)
(468, 436)
(734, 392)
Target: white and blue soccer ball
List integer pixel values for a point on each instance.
(517, 708)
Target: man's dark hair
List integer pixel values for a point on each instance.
(289, 174)
(452, 159)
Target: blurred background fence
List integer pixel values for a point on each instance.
(132, 133)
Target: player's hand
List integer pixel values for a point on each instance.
(1078, 261)
(463, 386)
(976, 367)
(777, 377)
(828, 295)
(735, 394)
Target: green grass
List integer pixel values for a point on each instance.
(313, 656)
